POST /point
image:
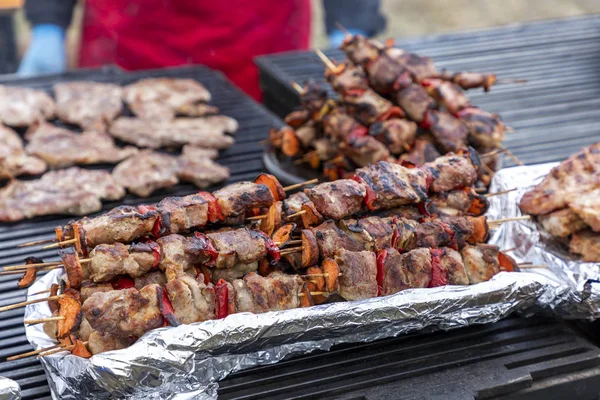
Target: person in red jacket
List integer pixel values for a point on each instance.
(143, 34)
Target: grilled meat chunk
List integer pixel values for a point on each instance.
(454, 202)
(586, 243)
(422, 151)
(193, 301)
(236, 272)
(181, 214)
(22, 107)
(163, 98)
(146, 172)
(13, 159)
(565, 182)
(72, 191)
(365, 150)
(330, 238)
(122, 224)
(190, 152)
(234, 200)
(420, 67)
(156, 277)
(111, 260)
(88, 288)
(486, 130)
(61, 148)
(91, 105)
(587, 207)
(415, 101)
(307, 133)
(449, 132)
(339, 125)
(124, 313)
(375, 233)
(562, 223)
(448, 94)
(202, 172)
(393, 184)
(351, 77)
(359, 274)
(453, 263)
(206, 132)
(275, 292)
(337, 199)
(241, 246)
(294, 202)
(397, 134)
(395, 276)
(436, 234)
(180, 253)
(417, 266)
(481, 262)
(99, 343)
(451, 172)
(367, 107)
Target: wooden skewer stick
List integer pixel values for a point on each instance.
(21, 271)
(305, 157)
(492, 153)
(512, 156)
(326, 60)
(58, 244)
(509, 250)
(298, 88)
(533, 266)
(480, 190)
(316, 275)
(297, 185)
(313, 293)
(487, 169)
(291, 250)
(42, 320)
(64, 348)
(256, 218)
(500, 193)
(341, 28)
(511, 80)
(25, 303)
(503, 220)
(35, 265)
(288, 243)
(35, 243)
(297, 214)
(34, 352)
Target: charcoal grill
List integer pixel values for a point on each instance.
(532, 358)
(554, 114)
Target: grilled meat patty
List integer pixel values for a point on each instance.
(61, 148)
(586, 243)
(202, 172)
(163, 98)
(146, 172)
(22, 107)
(207, 132)
(72, 191)
(91, 105)
(562, 223)
(587, 207)
(13, 159)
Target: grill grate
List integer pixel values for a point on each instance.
(554, 114)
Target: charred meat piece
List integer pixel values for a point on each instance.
(415, 101)
(375, 232)
(325, 148)
(420, 67)
(234, 200)
(180, 253)
(450, 133)
(586, 243)
(359, 274)
(417, 266)
(151, 278)
(330, 238)
(481, 262)
(72, 191)
(181, 214)
(61, 148)
(13, 159)
(435, 235)
(451, 172)
(453, 263)
(453, 202)
(193, 301)
(146, 172)
(124, 313)
(91, 105)
(360, 50)
(395, 278)
(236, 272)
(368, 107)
(337, 199)
(163, 98)
(202, 172)
(562, 223)
(293, 204)
(110, 260)
(191, 151)
(241, 246)
(565, 182)
(99, 343)
(422, 151)
(277, 291)
(307, 133)
(486, 130)
(22, 107)
(385, 73)
(448, 94)
(348, 78)
(88, 288)
(397, 134)
(122, 224)
(365, 150)
(206, 132)
(339, 125)
(587, 206)
(393, 184)
(314, 96)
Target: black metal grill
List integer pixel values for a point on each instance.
(554, 114)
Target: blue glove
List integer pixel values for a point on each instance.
(46, 53)
(337, 37)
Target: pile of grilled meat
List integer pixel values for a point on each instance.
(169, 114)
(392, 105)
(567, 202)
(249, 247)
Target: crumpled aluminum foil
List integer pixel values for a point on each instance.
(9, 389)
(187, 362)
(574, 290)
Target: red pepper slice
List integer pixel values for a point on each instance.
(427, 122)
(354, 92)
(166, 308)
(205, 273)
(439, 276)
(357, 131)
(222, 294)
(371, 195)
(381, 257)
(157, 228)
(214, 211)
(272, 249)
(155, 251)
(207, 247)
(122, 282)
(423, 209)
